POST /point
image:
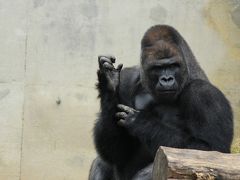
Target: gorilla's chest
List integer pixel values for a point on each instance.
(165, 114)
(142, 100)
(168, 116)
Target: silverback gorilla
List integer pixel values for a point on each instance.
(166, 101)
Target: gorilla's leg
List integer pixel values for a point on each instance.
(145, 173)
(100, 170)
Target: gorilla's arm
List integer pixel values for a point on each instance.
(152, 129)
(209, 117)
(112, 142)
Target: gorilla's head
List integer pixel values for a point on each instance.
(167, 63)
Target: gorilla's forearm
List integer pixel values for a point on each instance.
(112, 142)
(153, 135)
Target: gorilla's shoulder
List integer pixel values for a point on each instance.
(129, 80)
(204, 90)
(130, 75)
(200, 85)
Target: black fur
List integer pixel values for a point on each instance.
(196, 116)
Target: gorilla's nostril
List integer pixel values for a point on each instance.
(170, 79)
(164, 79)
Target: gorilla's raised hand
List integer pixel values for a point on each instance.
(111, 73)
(126, 116)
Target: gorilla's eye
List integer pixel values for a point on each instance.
(155, 70)
(174, 65)
(148, 45)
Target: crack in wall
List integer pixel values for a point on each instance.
(24, 86)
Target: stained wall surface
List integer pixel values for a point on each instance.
(48, 63)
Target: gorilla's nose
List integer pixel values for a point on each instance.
(167, 81)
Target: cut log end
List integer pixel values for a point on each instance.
(172, 163)
(160, 168)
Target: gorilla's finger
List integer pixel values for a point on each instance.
(121, 122)
(121, 115)
(102, 60)
(107, 56)
(112, 58)
(125, 108)
(109, 66)
(119, 68)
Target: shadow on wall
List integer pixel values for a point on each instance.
(224, 18)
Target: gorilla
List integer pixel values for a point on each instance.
(166, 101)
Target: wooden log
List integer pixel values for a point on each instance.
(172, 163)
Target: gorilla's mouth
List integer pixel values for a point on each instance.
(161, 90)
(167, 92)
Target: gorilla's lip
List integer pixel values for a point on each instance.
(167, 91)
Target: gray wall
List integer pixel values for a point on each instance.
(48, 54)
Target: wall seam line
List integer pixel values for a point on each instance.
(24, 93)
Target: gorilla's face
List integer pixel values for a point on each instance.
(162, 69)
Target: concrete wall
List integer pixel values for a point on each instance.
(48, 62)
